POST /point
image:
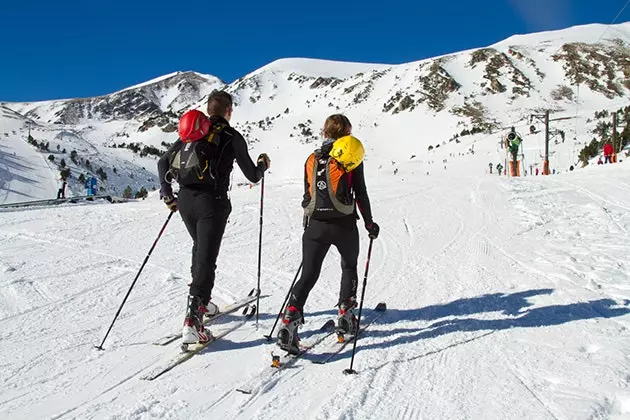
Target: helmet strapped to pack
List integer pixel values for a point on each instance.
(348, 151)
(193, 125)
(196, 160)
(329, 187)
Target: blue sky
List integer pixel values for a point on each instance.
(63, 49)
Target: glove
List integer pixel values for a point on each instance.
(373, 230)
(171, 202)
(264, 160)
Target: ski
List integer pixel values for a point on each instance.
(329, 352)
(229, 309)
(193, 349)
(280, 362)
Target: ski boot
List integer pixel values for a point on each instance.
(347, 322)
(194, 330)
(288, 339)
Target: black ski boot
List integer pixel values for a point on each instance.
(288, 339)
(347, 322)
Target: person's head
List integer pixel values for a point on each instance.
(336, 126)
(220, 104)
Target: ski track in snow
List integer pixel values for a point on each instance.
(507, 298)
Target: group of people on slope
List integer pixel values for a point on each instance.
(201, 161)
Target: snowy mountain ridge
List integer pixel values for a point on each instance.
(419, 105)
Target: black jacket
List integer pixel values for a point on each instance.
(232, 146)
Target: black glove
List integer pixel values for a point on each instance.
(264, 162)
(170, 201)
(373, 230)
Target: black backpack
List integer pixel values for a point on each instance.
(195, 162)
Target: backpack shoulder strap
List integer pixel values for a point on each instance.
(215, 129)
(310, 177)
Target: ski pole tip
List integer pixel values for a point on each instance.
(100, 348)
(349, 372)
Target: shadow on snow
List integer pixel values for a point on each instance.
(516, 308)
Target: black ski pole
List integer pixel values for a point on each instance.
(356, 338)
(262, 198)
(268, 337)
(134, 280)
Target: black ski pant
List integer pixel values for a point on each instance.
(205, 215)
(316, 242)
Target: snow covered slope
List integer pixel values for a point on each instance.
(24, 174)
(508, 298)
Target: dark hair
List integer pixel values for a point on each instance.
(336, 126)
(219, 102)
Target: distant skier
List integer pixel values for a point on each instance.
(61, 193)
(93, 183)
(537, 171)
(334, 186)
(608, 152)
(201, 161)
(88, 187)
(490, 165)
(499, 169)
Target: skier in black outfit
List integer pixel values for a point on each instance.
(332, 186)
(204, 204)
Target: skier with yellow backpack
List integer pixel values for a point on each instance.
(334, 185)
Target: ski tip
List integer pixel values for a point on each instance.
(244, 391)
(381, 307)
(251, 313)
(328, 325)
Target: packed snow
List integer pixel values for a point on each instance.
(507, 298)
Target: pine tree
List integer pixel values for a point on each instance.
(127, 193)
(142, 193)
(62, 163)
(101, 174)
(51, 158)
